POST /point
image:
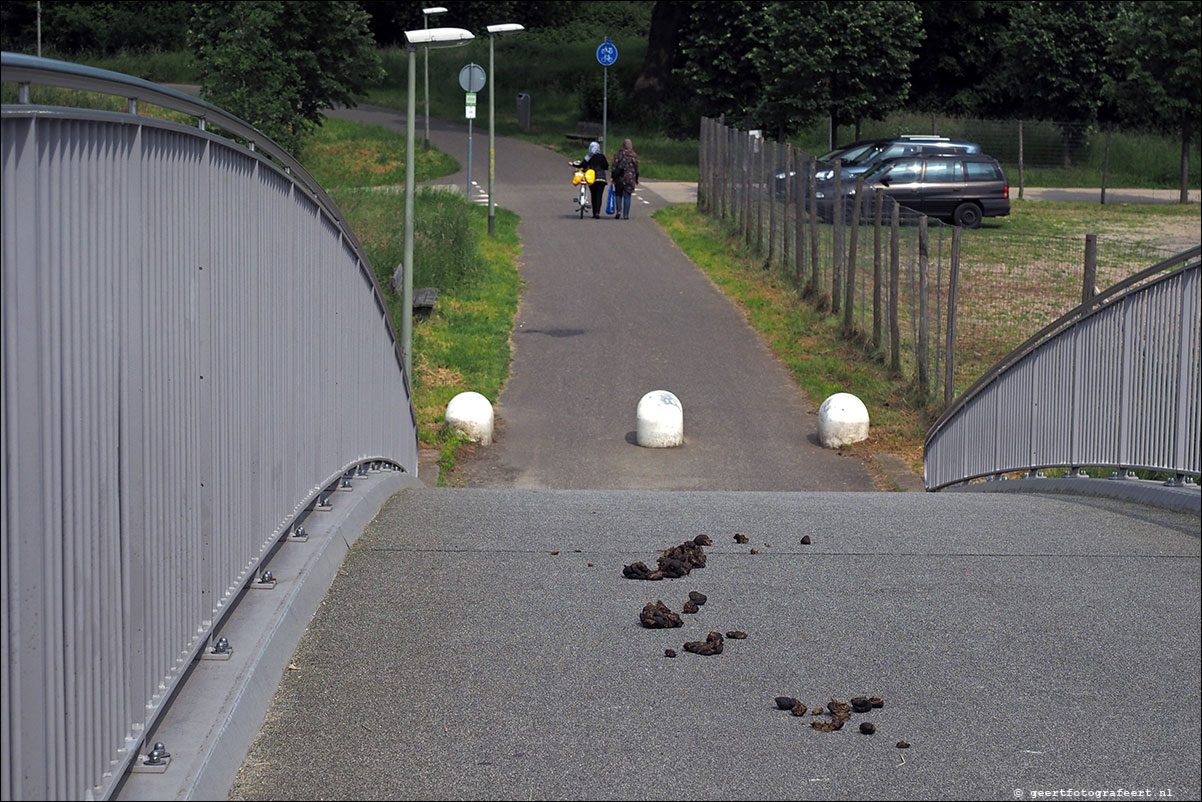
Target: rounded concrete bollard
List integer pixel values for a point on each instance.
(471, 414)
(660, 420)
(842, 419)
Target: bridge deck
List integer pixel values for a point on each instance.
(469, 650)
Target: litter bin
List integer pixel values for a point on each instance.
(524, 111)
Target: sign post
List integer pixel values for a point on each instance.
(472, 79)
(607, 54)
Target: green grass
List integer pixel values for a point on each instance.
(347, 154)
(463, 344)
(170, 67)
(809, 342)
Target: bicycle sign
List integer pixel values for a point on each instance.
(607, 53)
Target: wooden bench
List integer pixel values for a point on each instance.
(586, 132)
(423, 299)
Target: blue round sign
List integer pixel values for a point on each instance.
(607, 53)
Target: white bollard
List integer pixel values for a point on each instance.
(660, 420)
(842, 419)
(471, 414)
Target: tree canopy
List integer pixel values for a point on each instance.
(277, 64)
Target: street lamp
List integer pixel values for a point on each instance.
(426, 38)
(427, 14)
(493, 30)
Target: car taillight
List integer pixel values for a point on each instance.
(1006, 192)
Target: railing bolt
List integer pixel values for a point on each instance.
(221, 647)
(266, 577)
(346, 481)
(157, 755)
(323, 503)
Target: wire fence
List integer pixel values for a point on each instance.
(895, 277)
(1112, 156)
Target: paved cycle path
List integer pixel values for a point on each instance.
(482, 643)
(612, 310)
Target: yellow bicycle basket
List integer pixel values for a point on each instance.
(587, 177)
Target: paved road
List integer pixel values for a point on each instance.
(482, 643)
(612, 310)
(1018, 642)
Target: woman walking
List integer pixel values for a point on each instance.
(625, 176)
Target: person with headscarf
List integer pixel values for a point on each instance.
(625, 178)
(596, 161)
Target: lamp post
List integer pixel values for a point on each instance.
(493, 30)
(426, 38)
(426, 14)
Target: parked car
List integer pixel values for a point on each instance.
(962, 188)
(872, 153)
(860, 157)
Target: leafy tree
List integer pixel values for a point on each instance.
(277, 64)
(101, 28)
(960, 49)
(720, 54)
(874, 43)
(1056, 55)
(1159, 83)
(793, 64)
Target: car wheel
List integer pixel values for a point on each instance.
(967, 215)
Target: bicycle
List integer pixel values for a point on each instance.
(582, 180)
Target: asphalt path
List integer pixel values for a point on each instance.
(483, 644)
(612, 310)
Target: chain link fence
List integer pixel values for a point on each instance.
(894, 277)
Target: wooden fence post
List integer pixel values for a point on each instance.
(786, 188)
(877, 311)
(1020, 159)
(770, 188)
(894, 289)
(748, 166)
(949, 383)
(812, 190)
(837, 218)
(1089, 283)
(799, 235)
(924, 309)
(849, 303)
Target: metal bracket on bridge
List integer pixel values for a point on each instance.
(266, 581)
(155, 762)
(221, 651)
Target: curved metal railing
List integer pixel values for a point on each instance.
(196, 354)
(1114, 383)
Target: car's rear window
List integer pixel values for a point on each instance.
(983, 171)
(944, 171)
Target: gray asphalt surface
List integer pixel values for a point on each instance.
(1025, 642)
(1021, 643)
(612, 310)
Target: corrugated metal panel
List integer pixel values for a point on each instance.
(193, 350)
(1117, 387)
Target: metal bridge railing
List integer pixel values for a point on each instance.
(195, 354)
(1115, 383)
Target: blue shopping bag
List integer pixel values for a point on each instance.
(609, 200)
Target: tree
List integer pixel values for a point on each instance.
(277, 64)
(95, 28)
(1055, 55)
(960, 48)
(720, 49)
(1159, 85)
(874, 43)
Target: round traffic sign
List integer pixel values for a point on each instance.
(471, 78)
(607, 53)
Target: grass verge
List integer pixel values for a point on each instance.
(807, 341)
(463, 344)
